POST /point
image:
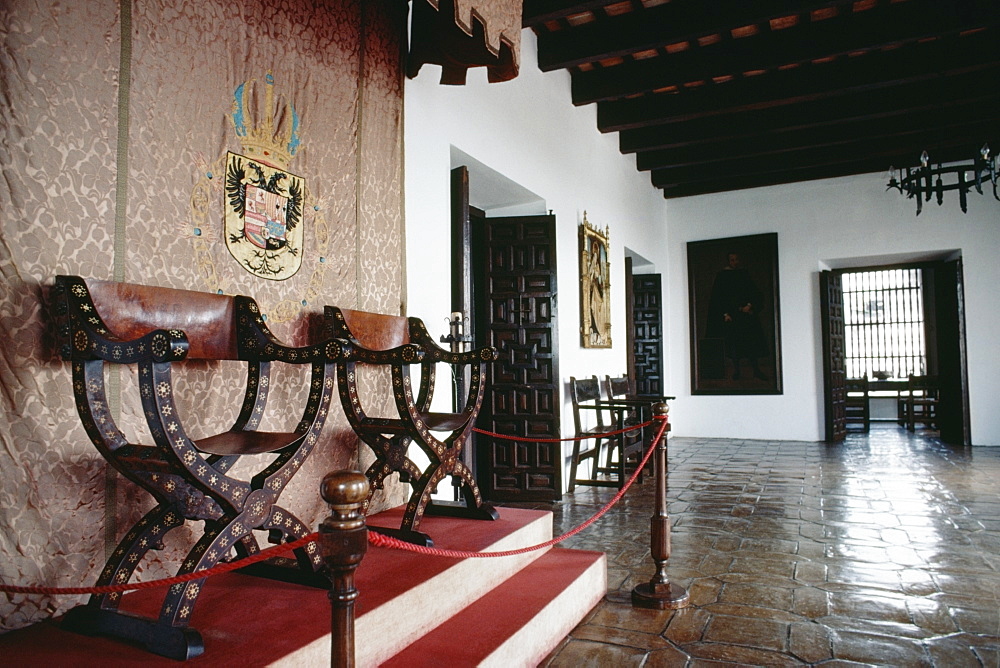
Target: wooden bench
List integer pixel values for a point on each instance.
(101, 323)
(402, 344)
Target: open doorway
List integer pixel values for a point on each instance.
(505, 244)
(883, 324)
(644, 326)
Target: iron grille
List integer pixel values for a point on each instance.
(884, 323)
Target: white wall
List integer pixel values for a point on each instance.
(528, 131)
(850, 221)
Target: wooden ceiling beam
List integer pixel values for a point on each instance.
(536, 13)
(898, 67)
(737, 179)
(858, 107)
(902, 147)
(978, 123)
(886, 26)
(663, 25)
(712, 186)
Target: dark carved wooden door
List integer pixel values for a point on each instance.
(515, 304)
(647, 347)
(949, 322)
(834, 367)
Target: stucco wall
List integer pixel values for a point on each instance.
(529, 131)
(850, 221)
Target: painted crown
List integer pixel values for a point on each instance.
(274, 141)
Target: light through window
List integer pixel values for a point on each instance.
(884, 323)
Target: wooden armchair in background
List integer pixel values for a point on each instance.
(621, 391)
(607, 416)
(857, 408)
(922, 402)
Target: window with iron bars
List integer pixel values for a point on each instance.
(884, 323)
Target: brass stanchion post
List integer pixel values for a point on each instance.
(660, 593)
(343, 539)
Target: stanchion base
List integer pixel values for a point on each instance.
(644, 596)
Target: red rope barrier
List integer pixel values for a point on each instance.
(224, 567)
(380, 540)
(376, 539)
(560, 440)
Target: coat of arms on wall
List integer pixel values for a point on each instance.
(263, 201)
(595, 286)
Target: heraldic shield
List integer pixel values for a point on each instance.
(263, 227)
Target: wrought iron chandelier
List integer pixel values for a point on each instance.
(923, 181)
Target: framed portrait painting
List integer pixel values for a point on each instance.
(595, 287)
(734, 315)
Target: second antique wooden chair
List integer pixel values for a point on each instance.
(621, 391)
(403, 344)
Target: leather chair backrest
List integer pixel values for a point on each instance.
(377, 331)
(131, 311)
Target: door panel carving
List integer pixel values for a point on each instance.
(834, 368)
(647, 347)
(517, 315)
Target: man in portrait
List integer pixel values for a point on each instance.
(733, 316)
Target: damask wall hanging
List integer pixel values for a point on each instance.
(595, 286)
(141, 197)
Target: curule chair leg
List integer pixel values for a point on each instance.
(101, 617)
(473, 508)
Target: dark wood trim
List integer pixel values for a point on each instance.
(461, 253)
(629, 320)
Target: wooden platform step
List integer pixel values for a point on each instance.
(403, 597)
(521, 621)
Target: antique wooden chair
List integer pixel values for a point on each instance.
(902, 405)
(606, 416)
(621, 391)
(403, 344)
(922, 401)
(155, 329)
(857, 409)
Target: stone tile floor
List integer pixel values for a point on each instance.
(882, 550)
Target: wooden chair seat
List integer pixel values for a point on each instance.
(403, 344)
(155, 329)
(247, 442)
